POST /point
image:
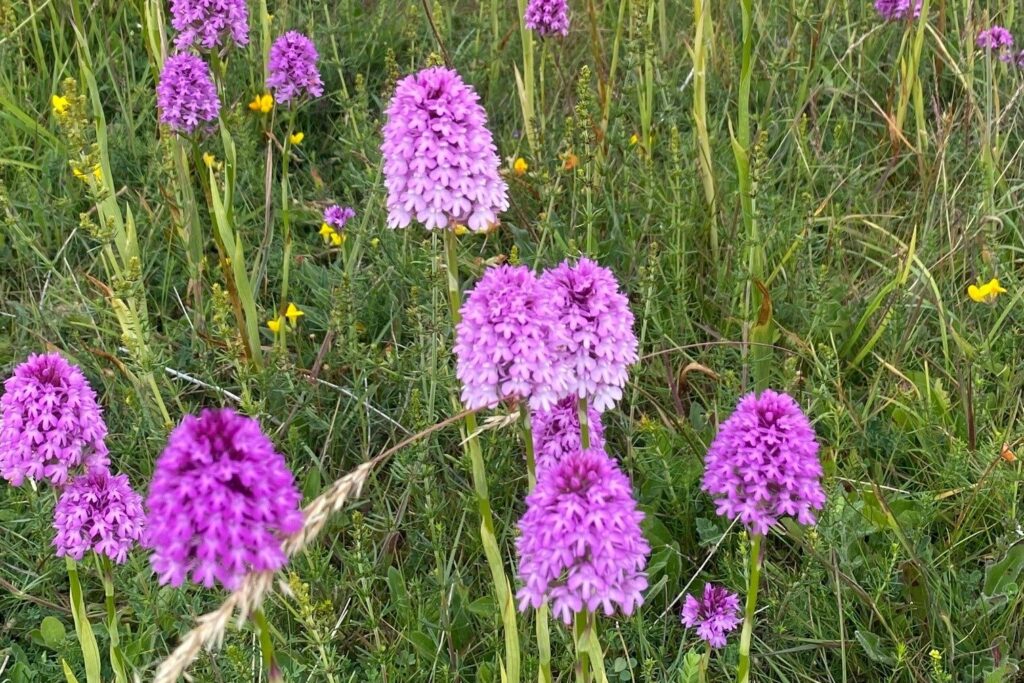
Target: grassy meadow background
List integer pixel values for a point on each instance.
(872, 224)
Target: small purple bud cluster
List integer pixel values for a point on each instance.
(714, 615)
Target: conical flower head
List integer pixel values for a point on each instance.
(556, 432)
(186, 95)
(896, 10)
(440, 162)
(763, 464)
(101, 512)
(714, 615)
(291, 68)
(995, 38)
(580, 544)
(548, 17)
(597, 318)
(220, 502)
(50, 424)
(210, 24)
(507, 345)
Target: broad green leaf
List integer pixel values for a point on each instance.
(1003, 573)
(872, 645)
(53, 631)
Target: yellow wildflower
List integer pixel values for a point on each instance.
(935, 654)
(520, 166)
(293, 314)
(209, 159)
(375, 242)
(634, 138)
(337, 238)
(296, 138)
(96, 172)
(460, 229)
(262, 103)
(275, 325)
(986, 293)
(60, 104)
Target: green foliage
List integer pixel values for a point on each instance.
(865, 245)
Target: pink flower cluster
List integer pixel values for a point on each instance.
(896, 10)
(508, 342)
(556, 432)
(580, 544)
(440, 163)
(763, 464)
(51, 427)
(548, 17)
(714, 615)
(51, 430)
(567, 333)
(101, 512)
(220, 502)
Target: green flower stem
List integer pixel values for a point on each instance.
(753, 578)
(502, 588)
(267, 647)
(702, 667)
(584, 423)
(589, 656)
(526, 86)
(117, 661)
(286, 214)
(703, 35)
(579, 630)
(543, 632)
(83, 630)
(531, 458)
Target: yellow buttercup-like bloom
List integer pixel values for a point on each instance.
(985, 293)
(275, 325)
(325, 231)
(520, 166)
(209, 159)
(262, 103)
(293, 314)
(337, 238)
(296, 138)
(60, 104)
(633, 139)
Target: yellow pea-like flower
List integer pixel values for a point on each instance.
(296, 138)
(274, 325)
(293, 314)
(262, 103)
(520, 166)
(985, 293)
